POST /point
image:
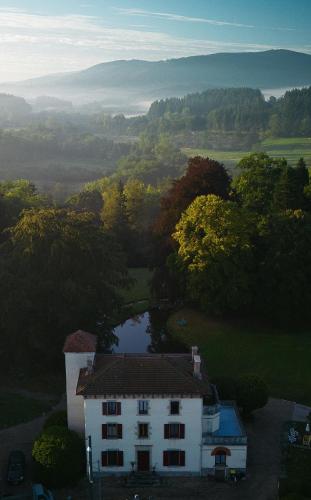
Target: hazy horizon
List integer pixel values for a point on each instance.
(56, 37)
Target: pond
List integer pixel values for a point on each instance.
(146, 333)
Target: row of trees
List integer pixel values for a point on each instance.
(238, 247)
(239, 110)
(62, 268)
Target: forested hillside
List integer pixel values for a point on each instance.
(227, 247)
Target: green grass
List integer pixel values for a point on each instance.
(140, 290)
(291, 148)
(137, 297)
(282, 359)
(16, 409)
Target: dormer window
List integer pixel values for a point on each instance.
(143, 407)
(174, 407)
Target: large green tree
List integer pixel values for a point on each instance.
(282, 287)
(215, 252)
(60, 271)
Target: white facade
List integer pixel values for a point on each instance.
(204, 445)
(75, 405)
(158, 416)
(237, 459)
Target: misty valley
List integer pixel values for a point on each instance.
(155, 233)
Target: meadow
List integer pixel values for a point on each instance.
(291, 148)
(281, 358)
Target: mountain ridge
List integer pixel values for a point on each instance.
(147, 80)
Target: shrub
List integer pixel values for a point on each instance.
(59, 457)
(58, 418)
(252, 393)
(226, 387)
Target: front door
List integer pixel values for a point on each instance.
(143, 460)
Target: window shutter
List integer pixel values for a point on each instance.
(166, 431)
(105, 408)
(165, 458)
(182, 460)
(118, 408)
(119, 431)
(182, 431)
(120, 458)
(104, 458)
(104, 431)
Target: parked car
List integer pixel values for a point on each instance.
(16, 467)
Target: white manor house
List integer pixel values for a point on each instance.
(150, 412)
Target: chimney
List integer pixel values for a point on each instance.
(197, 366)
(194, 351)
(89, 370)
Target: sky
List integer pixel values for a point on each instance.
(39, 37)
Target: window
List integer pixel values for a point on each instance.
(143, 431)
(112, 431)
(111, 408)
(174, 458)
(174, 431)
(112, 458)
(143, 407)
(220, 459)
(174, 407)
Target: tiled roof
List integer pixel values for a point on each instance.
(142, 374)
(80, 341)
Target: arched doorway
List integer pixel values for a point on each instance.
(221, 453)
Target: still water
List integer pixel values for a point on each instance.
(146, 333)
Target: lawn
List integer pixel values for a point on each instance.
(282, 359)
(16, 409)
(291, 148)
(137, 297)
(140, 289)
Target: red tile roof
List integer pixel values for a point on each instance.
(80, 341)
(125, 374)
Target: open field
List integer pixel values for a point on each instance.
(291, 148)
(282, 359)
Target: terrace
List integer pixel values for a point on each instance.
(230, 430)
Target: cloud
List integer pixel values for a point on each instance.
(177, 17)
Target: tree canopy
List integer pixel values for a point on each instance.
(64, 269)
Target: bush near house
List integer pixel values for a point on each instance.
(59, 457)
(251, 393)
(58, 418)
(226, 387)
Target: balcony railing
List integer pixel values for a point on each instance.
(208, 439)
(211, 409)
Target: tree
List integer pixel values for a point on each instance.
(203, 176)
(60, 272)
(59, 457)
(282, 290)
(88, 200)
(215, 252)
(256, 183)
(252, 393)
(18, 195)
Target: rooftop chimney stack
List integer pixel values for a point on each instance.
(194, 351)
(197, 366)
(89, 366)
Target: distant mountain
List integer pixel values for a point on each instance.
(138, 81)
